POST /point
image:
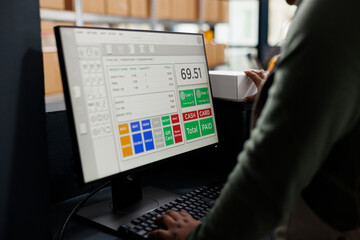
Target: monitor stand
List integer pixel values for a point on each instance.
(129, 201)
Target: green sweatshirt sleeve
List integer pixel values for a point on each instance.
(313, 103)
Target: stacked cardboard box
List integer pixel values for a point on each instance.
(52, 4)
(118, 7)
(94, 6)
(223, 11)
(215, 53)
(164, 9)
(185, 10)
(52, 77)
(140, 8)
(211, 10)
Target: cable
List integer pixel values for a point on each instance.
(61, 231)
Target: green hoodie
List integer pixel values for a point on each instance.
(307, 139)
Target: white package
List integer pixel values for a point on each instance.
(231, 85)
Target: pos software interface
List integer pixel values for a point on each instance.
(137, 97)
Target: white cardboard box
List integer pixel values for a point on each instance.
(231, 85)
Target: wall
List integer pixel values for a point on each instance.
(24, 208)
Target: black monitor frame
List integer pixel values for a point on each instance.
(126, 186)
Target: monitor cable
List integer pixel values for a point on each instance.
(61, 231)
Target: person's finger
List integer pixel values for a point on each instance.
(255, 78)
(160, 234)
(175, 215)
(185, 214)
(250, 98)
(165, 220)
(263, 74)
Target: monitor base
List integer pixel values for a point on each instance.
(102, 213)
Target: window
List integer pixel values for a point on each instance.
(280, 15)
(242, 29)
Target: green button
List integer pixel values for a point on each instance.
(207, 126)
(192, 130)
(202, 96)
(169, 139)
(165, 120)
(187, 98)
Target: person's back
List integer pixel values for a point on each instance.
(305, 143)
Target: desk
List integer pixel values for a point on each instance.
(172, 181)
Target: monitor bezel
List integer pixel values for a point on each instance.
(71, 120)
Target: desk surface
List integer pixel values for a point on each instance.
(173, 181)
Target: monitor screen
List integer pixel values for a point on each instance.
(136, 97)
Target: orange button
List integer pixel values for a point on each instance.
(123, 129)
(127, 151)
(125, 141)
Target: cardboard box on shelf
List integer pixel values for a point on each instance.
(118, 7)
(223, 10)
(210, 49)
(53, 84)
(220, 54)
(164, 9)
(185, 10)
(52, 4)
(52, 77)
(211, 10)
(47, 33)
(140, 8)
(94, 6)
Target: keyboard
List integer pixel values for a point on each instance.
(197, 203)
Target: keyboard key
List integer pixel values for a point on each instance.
(141, 232)
(138, 228)
(148, 215)
(158, 210)
(136, 221)
(192, 213)
(149, 229)
(142, 218)
(144, 224)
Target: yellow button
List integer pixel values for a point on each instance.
(125, 141)
(123, 129)
(127, 151)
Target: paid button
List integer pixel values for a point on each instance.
(207, 126)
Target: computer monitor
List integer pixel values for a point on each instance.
(134, 97)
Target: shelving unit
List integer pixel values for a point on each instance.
(79, 17)
(52, 17)
(70, 16)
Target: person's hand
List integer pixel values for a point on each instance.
(258, 77)
(178, 224)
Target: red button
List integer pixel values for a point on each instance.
(190, 116)
(177, 133)
(204, 113)
(175, 118)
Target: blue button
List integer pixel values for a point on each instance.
(138, 143)
(149, 141)
(146, 124)
(135, 126)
